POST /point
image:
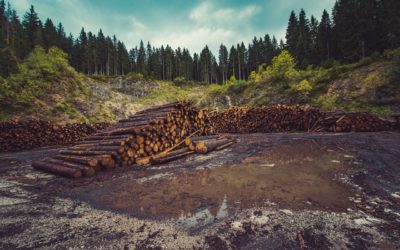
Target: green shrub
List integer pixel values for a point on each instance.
(180, 80)
(231, 80)
(327, 102)
(137, 76)
(216, 89)
(393, 54)
(304, 87)
(41, 74)
(283, 66)
(238, 87)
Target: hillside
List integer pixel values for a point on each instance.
(369, 85)
(46, 87)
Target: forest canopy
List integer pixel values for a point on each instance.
(354, 29)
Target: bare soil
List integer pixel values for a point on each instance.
(267, 191)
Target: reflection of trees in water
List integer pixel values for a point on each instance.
(204, 216)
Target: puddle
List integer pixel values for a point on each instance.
(294, 175)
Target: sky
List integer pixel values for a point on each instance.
(185, 23)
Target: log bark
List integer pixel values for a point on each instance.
(171, 157)
(204, 147)
(86, 170)
(57, 169)
(84, 153)
(89, 161)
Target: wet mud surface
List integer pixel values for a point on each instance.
(268, 191)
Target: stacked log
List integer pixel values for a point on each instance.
(294, 118)
(150, 136)
(198, 144)
(352, 122)
(277, 118)
(20, 135)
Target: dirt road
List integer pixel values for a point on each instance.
(268, 191)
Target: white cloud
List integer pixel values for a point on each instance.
(207, 13)
(194, 39)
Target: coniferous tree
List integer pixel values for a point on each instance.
(8, 62)
(141, 59)
(302, 52)
(232, 69)
(17, 36)
(354, 26)
(206, 64)
(132, 60)
(101, 45)
(82, 44)
(359, 28)
(31, 24)
(50, 34)
(3, 24)
(123, 58)
(313, 40)
(277, 47)
(196, 67)
(269, 50)
(253, 55)
(292, 34)
(114, 55)
(223, 62)
(61, 37)
(371, 24)
(324, 39)
(391, 10)
(110, 49)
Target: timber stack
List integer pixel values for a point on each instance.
(152, 136)
(17, 135)
(294, 118)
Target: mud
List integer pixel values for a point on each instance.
(268, 191)
(295, 175)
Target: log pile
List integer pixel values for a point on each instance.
(20, 135)
(152, 136)
(351, 122)
(294, 118)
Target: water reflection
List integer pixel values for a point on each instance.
(203, 216)
(295, 175)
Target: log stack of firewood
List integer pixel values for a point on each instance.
(19, 135)
(294, 118)
(152, 136)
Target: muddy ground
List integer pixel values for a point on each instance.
(268, 191)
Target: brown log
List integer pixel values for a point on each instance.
(143, 161)
(194, 139)
(103, 148)
(57, 169)
(204, 147)
(84, 153)
(86, 170)
(125, 131)
(104, 137)
(224, 146)
(171, 157)
(90, 161)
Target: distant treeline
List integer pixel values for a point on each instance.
(354, 29)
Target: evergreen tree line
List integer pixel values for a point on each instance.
(354, 29)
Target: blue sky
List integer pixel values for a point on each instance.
(185, 23)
